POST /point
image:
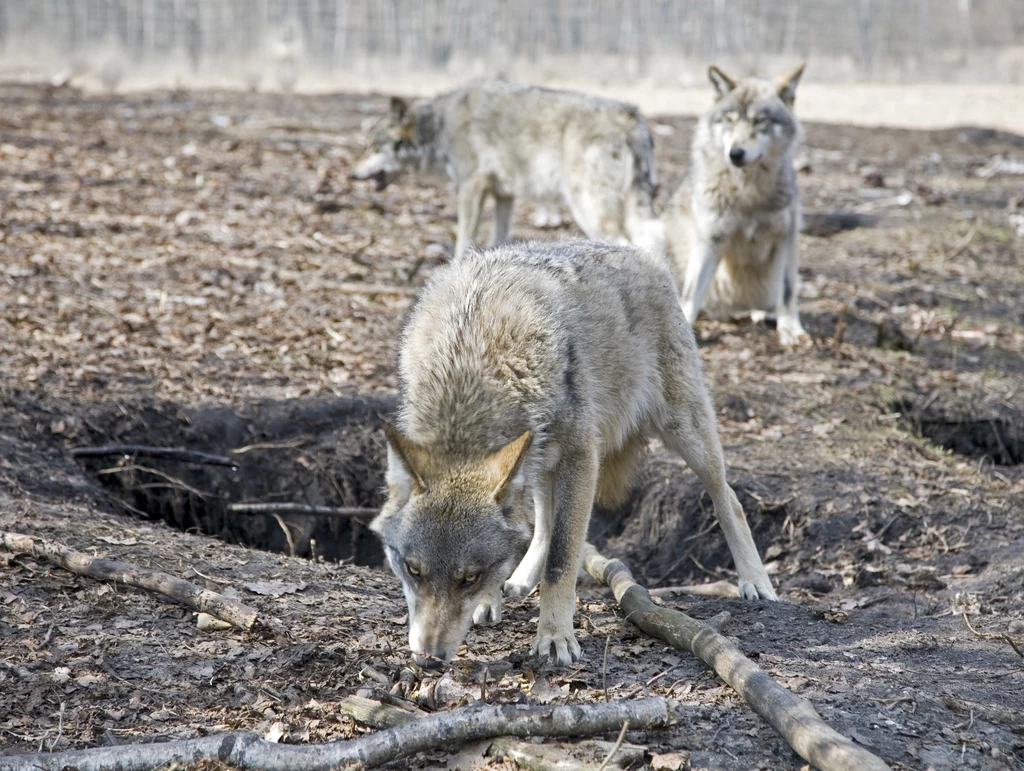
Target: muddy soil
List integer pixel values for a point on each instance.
(194, 270)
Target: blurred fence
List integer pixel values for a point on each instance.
(849, 40)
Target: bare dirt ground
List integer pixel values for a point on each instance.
(195, 270)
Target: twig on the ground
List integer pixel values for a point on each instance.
(615, 748)
(994, 636)
(523, 754)
(300, 508)
(177, 589)
(459, 726)
(792, 716)
(289, 540)
(713, 589)
(174, 482)
(166, 453)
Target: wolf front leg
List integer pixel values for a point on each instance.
(700, 272)
(528, 574)
(471, 201)
(574, 488)
(787, 262)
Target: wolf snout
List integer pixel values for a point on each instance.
(737, 156)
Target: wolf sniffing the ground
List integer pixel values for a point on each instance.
(504, 141)
(531, 378)
(732, 229)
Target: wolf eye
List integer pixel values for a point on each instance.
(470, 578)
(413, 570)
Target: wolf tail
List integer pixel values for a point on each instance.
(643, 228)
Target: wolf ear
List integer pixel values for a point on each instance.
(501, 467)
(412, 459)
(399, 109)
(787, 84)
(723, 83)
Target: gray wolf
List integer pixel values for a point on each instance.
(531, 377)
(503, 141)
(732, 228)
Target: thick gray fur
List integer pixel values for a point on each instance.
(504, 141)
(531, 379)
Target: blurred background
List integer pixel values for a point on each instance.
(651, 51)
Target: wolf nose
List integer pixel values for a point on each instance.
(736, 156)
(427, 662)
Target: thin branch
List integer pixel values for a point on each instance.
(994, 636)
(713, 589)
(300, 508)
(177, 589)
(166, 453)
(792, 716)
(615, 748)
(460, 726)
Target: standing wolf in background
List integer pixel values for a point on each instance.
(495, 139)
(732, 229)
(532, 376)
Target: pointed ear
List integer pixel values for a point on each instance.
(787, 84)
(399, 109)
(723, 83)
(501, 467)
(412, 460)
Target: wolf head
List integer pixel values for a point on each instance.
(392, 149)
(452, 533)
(753, 119)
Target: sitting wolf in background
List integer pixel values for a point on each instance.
(532, 376)
(732, 228)
(495, 139)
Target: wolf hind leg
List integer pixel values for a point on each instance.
(502, 219)
(689, 429)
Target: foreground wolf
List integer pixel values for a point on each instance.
(732, 229)
(531, 378)
(495, 139)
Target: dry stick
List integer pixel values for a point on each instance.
(167, 453)
(459, 726)
(792, 716)
(713, 589)
(177, 589)
(523, 754)
(300, 508)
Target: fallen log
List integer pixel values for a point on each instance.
(248, 751)
(792, 716)
(181, 591)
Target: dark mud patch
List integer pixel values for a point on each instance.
(975, 427)
(315, 452)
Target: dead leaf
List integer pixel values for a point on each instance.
(86, 680)
(118, 541)
(275, 732)
(670, 761)
(274, 588)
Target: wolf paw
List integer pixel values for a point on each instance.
(488, 612)
(562, 648)
(792, 336)
(758, 590)
(515, 589)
